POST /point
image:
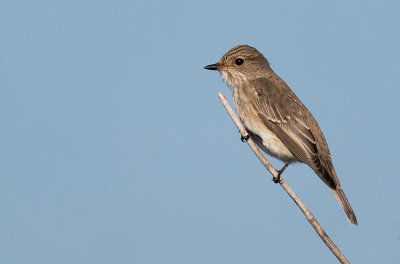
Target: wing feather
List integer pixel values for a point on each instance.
(282, 114)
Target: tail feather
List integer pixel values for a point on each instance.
(341, 198)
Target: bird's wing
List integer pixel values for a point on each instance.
(282, 113)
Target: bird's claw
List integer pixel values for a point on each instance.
(278, 178)
(244, 139)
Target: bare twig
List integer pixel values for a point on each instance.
(284, 185)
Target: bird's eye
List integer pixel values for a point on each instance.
(239, 61)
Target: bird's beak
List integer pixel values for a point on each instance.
(214, 67)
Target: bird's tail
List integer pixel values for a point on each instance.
(341, 198)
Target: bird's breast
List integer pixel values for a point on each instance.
(267, 140)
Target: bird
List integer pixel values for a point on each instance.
(275, 118)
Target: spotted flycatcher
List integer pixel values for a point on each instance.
(275, 118)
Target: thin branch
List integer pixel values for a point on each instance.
(284, 185)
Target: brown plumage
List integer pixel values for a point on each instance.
(277, 120)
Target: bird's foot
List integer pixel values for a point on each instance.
(278, 179)
(244, 139)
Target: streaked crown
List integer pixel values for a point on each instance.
(246, 60)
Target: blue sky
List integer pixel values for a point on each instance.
(115, 148)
